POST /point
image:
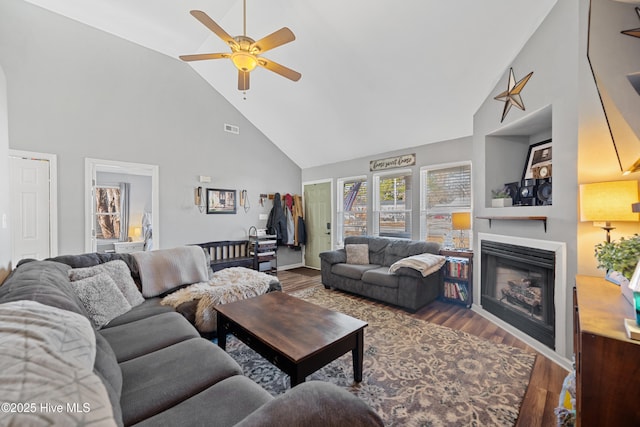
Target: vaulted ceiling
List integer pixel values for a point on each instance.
(376, 75)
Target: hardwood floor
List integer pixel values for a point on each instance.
(546, 378)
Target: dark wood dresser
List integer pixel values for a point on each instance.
(607, 362)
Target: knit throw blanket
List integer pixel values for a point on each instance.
(424, 263)
(225, 286)
(165, 269)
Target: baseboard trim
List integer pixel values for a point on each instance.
(290, 266)
(539, 347)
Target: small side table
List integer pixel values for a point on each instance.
(457, 276)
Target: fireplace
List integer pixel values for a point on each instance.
(517, 286)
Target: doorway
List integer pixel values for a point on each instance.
(33, 193)
(102, 178)
(317, 208)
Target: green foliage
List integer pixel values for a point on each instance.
(393, 189)
(500, 194)
(621, 256)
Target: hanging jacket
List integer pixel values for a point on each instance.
(302, 232)
(277, 222)
(291, 228)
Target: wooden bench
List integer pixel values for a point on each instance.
(228, 253)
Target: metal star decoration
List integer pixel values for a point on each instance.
(511, 96)
(636, 31)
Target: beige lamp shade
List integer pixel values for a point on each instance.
(135, 232)
(608, 201)
(461, 221)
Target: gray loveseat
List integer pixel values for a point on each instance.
(406, 287)
(147, 367)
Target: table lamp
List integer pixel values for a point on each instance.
(461, 221)
(135, 232)
(604, 202)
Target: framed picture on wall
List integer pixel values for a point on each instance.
(538, 164)
(221, 201)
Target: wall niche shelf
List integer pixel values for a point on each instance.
(507, 150)
(543, 219)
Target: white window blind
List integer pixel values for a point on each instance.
(392, 216)
(444, 189)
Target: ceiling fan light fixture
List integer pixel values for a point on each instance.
(244, 61)
(245, 51)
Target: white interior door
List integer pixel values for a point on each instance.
(317, 208)
(30, 208)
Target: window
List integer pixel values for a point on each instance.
(392, 216)
(352, 208)
(112, 212)
(444, 189)
(108, 212)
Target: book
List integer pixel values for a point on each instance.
(633, 330)
(462, 291)
(458, 267)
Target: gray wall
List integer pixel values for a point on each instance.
(551, 54)
(556, 54)
(139, 193)
(79, 92)
(596, 156)
(455, 150)
(552, 96)
(5, 237)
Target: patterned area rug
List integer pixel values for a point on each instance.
(415, 373)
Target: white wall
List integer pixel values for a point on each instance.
(78, 92)
(5, 237)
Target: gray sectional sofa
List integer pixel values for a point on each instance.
(406, 287)
(146, 367)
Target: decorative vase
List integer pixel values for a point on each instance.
(501, 203)
(636, 298)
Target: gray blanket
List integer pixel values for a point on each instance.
(167, 269)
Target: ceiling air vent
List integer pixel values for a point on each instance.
(231, 129)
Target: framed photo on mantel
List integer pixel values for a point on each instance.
(538, 164)
(221, 201)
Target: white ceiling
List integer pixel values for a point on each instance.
(376, 75)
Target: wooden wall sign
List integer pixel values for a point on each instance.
(393, 162)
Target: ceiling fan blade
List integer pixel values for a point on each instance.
(203, 56)
(243, 80)
(273, 40)
(217, 29)
(279, 69)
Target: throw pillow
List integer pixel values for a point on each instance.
(101, 298)
(357, 253)
(48, 356)
(119, 272)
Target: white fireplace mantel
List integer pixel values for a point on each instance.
(560, 291)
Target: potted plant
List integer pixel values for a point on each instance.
(500, 199)
(621, 256)
(619, 259)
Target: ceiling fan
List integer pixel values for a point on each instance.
(245, 52)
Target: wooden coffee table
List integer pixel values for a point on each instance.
(296, 336)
